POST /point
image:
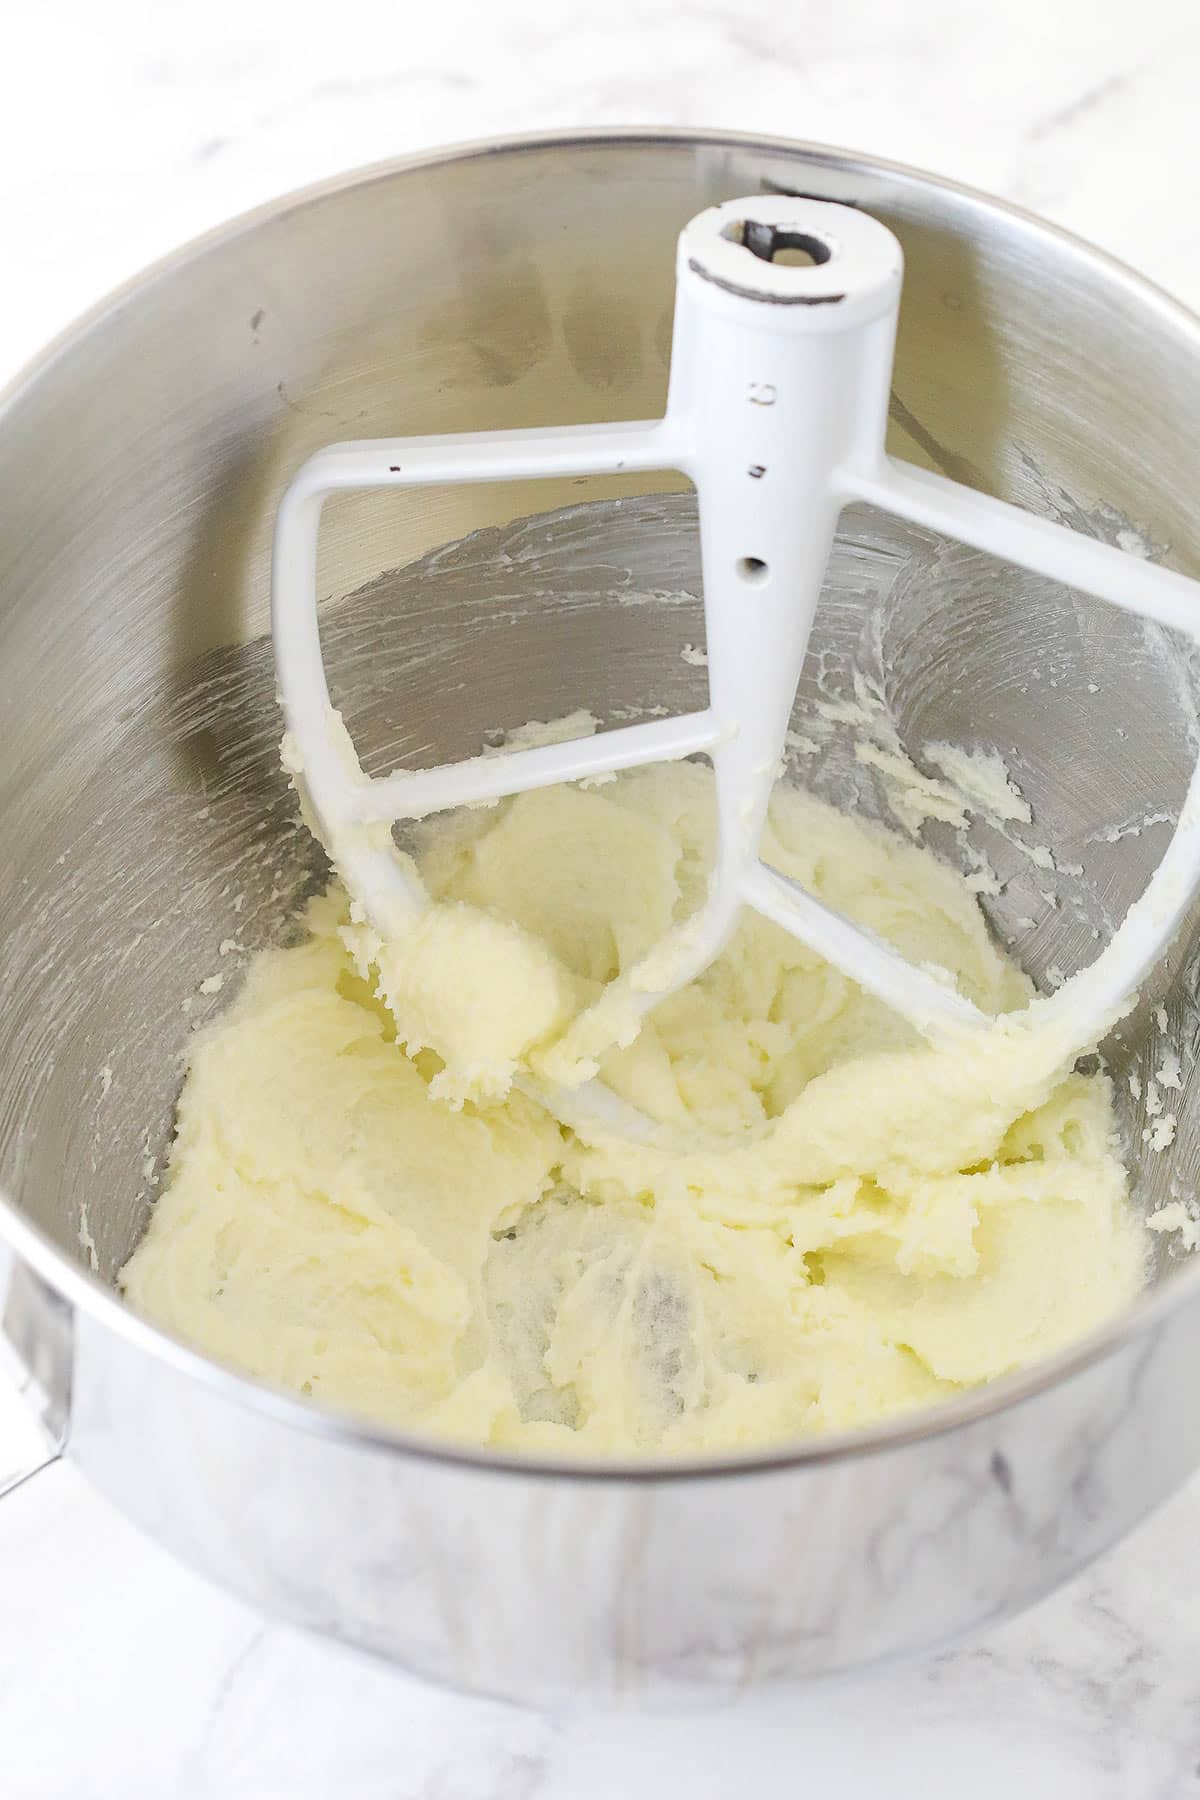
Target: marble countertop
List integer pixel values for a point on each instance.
(127, 128)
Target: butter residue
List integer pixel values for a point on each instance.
(970, 783)
(981, 776)
(1174, 1216)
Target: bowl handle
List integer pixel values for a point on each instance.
(35, 1358)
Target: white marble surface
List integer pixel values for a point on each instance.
(127, 127)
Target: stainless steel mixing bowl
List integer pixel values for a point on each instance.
(144, 821)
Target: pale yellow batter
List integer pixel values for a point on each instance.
(404, 1235)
